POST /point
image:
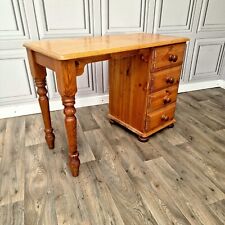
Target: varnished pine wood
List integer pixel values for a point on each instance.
(66, 49)
(165, 78)
(167, 56)
(66, 80)
(44, 105)
(39, 74)
(71, 126)
(140, 99)
(161, 98)
(128, 79)
(160, 117)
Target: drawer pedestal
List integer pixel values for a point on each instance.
(143, 88)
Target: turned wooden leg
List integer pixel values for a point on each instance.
(66, 76)
(44, 105)
(71, 128)
(39, 74)
(143, 139)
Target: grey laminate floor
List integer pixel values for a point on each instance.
(178, 177)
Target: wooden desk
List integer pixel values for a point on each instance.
(144, 76)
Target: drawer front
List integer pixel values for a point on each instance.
(165, 78)
(162, 98)
(167, 56)
(160, 117)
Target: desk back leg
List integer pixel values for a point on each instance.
(44, 105)
(39, 74)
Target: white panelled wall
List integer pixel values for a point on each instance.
(203, 21)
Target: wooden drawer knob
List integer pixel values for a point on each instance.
(170, 80)
(166, 100)
(173, 58)
(165, 117)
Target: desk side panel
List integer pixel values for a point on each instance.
(128, 83)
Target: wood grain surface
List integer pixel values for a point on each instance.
(64, 49)
(178, 177)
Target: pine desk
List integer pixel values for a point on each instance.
(144, 77)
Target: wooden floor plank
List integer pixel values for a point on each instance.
(218, 209)
(148, 151)
(210, 119)
(218, 100)
(86, 120)
(173, 137)
(145, 182)
(98, 199)
(39, 197)
(201, 133)
(221, 133)
(12, 164)
(208, 161)
(34, 132)
(2, 136)
(127, 152)
(201, 95)
(184, 165)
(187, 105)
(67, 205)
(213, 110)
(124, 194)
(214, 173)
(12, 214)
(180, 192)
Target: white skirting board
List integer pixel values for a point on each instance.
(201, 85)
(33, 107)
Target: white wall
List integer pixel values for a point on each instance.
(203, 21)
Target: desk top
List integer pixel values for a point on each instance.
(65, 49)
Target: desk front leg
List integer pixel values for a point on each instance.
(71, 129)
(66, 81)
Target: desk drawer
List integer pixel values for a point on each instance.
(165, 78)
(162, 98)
(160, 117)
(167, 56)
